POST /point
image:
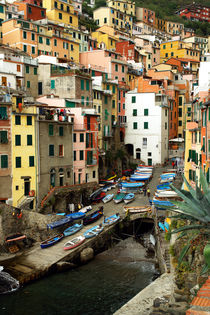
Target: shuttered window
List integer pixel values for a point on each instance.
(3, 136)
(31, 161)
(3, 113)
(61, 131)
(51, 130)
(51, 150)
(4, 161)
(29, 120)
(18, 162)
(17, 140)
(29, 139)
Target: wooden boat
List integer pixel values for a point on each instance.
(145, 166)
(74, 242)
(167, 175)
(129, 197)
(85, 209)
(95, 194)
(118, 197)
(162, 203)
(15, 237)
(76, 215)
(166, 180)
(93, 216)
(112, 219)
(164, 186)
(132, 185)
(139, 178)
(137, 209)
(108, 198)
(93, 231)
(166, 194)
(51, 241)
(72, 229)
(99, 197)
(59, 223)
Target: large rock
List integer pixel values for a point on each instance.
(86, 255)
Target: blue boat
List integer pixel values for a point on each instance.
(51, 241)
(93, 216)
(76, 215)
(164, 186)
(59, 223)
(129, 197)
(93, 231)
(131, 185)
(167, 175)
(139, 178)
(112, 219)
(72, 229)
(162, 203)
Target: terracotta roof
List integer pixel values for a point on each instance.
(188, 60)
(201, 303)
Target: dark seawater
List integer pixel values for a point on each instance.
(99, 287)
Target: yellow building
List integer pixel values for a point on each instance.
(179, 49)
(174, 28)
(98, 106)
(105, 41)
(192, 153)
(24, 157)
(120, 18)
(160, 24)
(2, 16)
(111, 85)
(61, 12)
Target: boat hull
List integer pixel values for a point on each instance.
(73, 229)
(74, 243)
(51, 241)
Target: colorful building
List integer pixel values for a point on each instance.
(195, 12)
(33, 10)
(174, 28)
(145, 15)
(104, 40)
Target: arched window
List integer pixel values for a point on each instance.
(138, 154)
(52, 177)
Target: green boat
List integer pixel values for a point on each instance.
(119, 197)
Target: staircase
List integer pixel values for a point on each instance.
(24, 202)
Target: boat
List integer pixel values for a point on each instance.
(74, 242)
(166, 194)
(136, 178)
(160, 203)
(131, 185)
(166, 180)
(76, 215)
(51, 241)
(112, 219)
(167, 176)
(95, 193)
(85, 209)
(15, 237)
(165, 186)
(72, 229)
(93, 216)
(145, 166)
(99, 197)
(129, 197)
(108, 198)
(118, 197)
(59, 223)
(93, 231)
(137, 209)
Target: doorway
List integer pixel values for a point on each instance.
(26, 187)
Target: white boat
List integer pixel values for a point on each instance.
(108, 198)
(129, 197)
(166, 180)
(137, 209)
(166, 193)
(85, 209)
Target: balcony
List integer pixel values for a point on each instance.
(53, 115)
(161, 100)
(92, 162)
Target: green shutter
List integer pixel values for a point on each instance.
(51, 150)
(209, 114)
(83, 100)
(190, 154)
(3, 136)
(17, 139)
(51, 130)
(61, 131)
(17, 120)
(87, 140)
(113, 89)
(18, 162)
(146, 125)
(27, 69)
(29, 120)
(81, 137)
(135, 125)
(4, 161)
(106, 99)
(133, 99)
(31, 161)
(52, 84)
(87, 85)
(87, 101)
(82, 85)
(3, 113)
(208, 145)
(91, 140)
(134, 112)
(146, 112)
(29, 139)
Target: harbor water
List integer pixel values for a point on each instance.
(100, 287)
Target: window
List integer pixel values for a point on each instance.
(40, 40)
(3, 113)
(60, 16)
(17, 120)
(61, 131)
(52, 84)
(74, 137)
(3, 137)
(83, 100)
(87, 85)
(106, 99)
(51, 130)
(144, 141)
(27, 69)
(18, 68)
(146, 125)
(67, 8)
(28, 84)
(135, 125)
(94, 174)
(123, 69)
(51, 150)
(61, 6)
(134, 112)
(55, 42)
(70, 19)
(105, 20)
(116, 67)
(81, 137)
(18, 162)
(29, 139)
(47, 41)
(32, 36)
(17, 140)
(81, 155)
(24, 35)
(60, 150)
(113, 103)
(1, 9)
(164, 46)
(204, 145)
(133, 99)
(166, 55)
(4, 161)
(180, 123)
(146, 112)
(75, 155)
(31, 161)
(165, 125)
(42, 13)
(82, 85)
(113, 89)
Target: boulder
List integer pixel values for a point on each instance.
(86, 255)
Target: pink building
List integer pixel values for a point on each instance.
(108, 61)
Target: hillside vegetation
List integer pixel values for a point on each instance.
(165, 9)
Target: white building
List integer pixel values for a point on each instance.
(147, 126)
